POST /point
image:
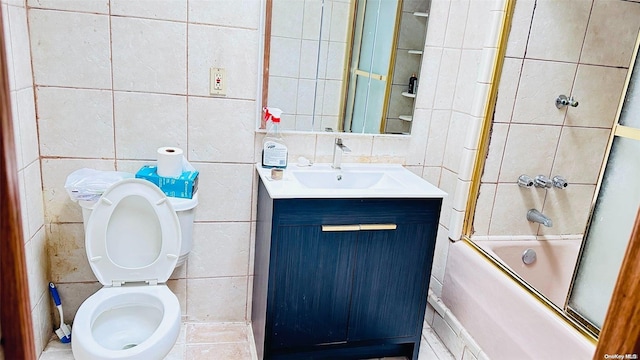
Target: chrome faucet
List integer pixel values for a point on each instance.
(338, 149)
(534, 215)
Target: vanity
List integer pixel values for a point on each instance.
(342, 262)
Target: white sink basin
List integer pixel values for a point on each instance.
(352, 181)
(345, 179)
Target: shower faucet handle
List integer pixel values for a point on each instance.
(559, 182)
(525, 180)
(542, 181)
(563, 100)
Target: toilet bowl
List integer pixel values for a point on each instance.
(133, 240)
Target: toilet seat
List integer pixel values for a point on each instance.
(133, 235)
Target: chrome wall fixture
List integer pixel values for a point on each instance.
(529, 256)
(559, 182)
(525, 181)
(563, 100)
(542, 181)
(536, 216)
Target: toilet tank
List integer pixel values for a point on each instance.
(185, 209)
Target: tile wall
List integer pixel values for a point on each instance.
(16, 36)
(531, 136)
(114, 80)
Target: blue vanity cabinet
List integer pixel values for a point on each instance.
(341, 278)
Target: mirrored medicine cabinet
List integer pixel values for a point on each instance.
(344, 65)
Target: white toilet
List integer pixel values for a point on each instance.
(133, 238)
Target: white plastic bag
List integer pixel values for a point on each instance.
(89, 184)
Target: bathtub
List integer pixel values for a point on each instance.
(552, 271)
(504, 319)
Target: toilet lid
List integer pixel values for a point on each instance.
(133, 234)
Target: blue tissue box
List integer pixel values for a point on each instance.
(183, 186)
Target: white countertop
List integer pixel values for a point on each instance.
(399, 183)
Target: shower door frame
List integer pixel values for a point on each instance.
(619, 295)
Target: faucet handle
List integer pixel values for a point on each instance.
(525, 181)
(339, 141)
(542, 181)
(559, 182)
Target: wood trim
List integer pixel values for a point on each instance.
(265, 59)
(15, 312)
(621, 330)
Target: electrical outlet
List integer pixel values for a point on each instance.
(218, 83)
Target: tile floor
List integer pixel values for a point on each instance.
(233, 341)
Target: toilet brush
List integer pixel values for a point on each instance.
(64, 332)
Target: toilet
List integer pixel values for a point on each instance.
(133, 238)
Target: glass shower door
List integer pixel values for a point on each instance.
(371, 62)
(613, 216)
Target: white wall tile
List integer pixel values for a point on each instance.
(476, 29)
(554, 30)
(493, 161)
(438, 18)
(580, 154)
(67, 255)
(157, 9)
(219, 249)
(285, 57)
(18, 38)
(26, 121)
(568, 209)
(447, 183)
(466, 80)
(145, 122)
(447, 79)
(149, 55)
(217, 299)
(520, 25)
(286, 18)
(37, 266)
(340, 22)
(236, 50)
(440, 254)
(428, 82)
(507, 90)
(91, 6)
(530, 149)
(541, 82)
(437, 137)
(221, 129)
(225, 192)
(598, 90)
(33, 192)
(483, 210)
(70, 49)
(511, 204)
(236, 13)
(455, 140)
(87, 114)
(456, 24)
(598, 45)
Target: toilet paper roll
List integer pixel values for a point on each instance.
(169, 162)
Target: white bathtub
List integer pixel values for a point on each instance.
(552, 271)
(504, 319)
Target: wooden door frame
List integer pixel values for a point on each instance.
(620, 333)
(15, 306)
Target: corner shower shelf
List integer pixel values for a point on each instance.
(406, 117)
(421, 14)
(406, 94)
(415, 52)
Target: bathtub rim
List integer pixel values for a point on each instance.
(557, 311)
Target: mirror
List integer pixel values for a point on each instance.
(535, 134)
(331, 60)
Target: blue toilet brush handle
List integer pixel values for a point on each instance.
(54, 294)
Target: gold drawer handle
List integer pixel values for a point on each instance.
(340, 227)
(358, 227)
(378, 226)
